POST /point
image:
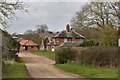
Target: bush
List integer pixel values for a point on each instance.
(9, 46)
(89, 43)
(4, 69)
(65, 54)
(101, 56)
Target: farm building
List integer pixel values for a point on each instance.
(66, 37)
(28, 45)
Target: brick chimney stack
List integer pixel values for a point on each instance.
(67, 28)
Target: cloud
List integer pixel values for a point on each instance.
(55, 0)
(54, 14)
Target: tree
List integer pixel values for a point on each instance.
(89, 33)
(8, 8)
(97, 14)
(108, 36)
(29, 32)
(98, 20)
(41, 28)
(41, 36)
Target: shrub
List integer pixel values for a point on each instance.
(4, 69)
(9, 47)
(104, 56)
(65, 54)
(89, 43)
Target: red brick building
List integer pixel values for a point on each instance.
(28, 45)
(67, 37)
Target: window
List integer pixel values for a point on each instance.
(73, 39)
(57, 40)
(53, 48)
(32, 46)
(65, 39)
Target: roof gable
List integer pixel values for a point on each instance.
(22, 42)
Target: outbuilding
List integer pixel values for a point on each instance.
(28, 45)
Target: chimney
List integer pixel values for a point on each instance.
(67, 28)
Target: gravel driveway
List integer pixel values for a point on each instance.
(42, 67)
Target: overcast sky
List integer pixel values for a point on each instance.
(54, 14)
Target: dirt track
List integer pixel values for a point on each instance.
(42, 67)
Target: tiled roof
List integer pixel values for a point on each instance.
(27, 42)
(71, 34)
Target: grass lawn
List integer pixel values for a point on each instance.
(88, 71)
(48, 54)
(16, 70)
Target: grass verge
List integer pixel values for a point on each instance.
(89, 71)
(16, 70)
(48, 54)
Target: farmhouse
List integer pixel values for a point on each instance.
(28, 45)
(68, 38)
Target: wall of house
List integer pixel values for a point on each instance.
(21, 48)
(49, 48)
(58, 40)
(77, 39)
(53, 39)
(69, 39)
(61, 40)
(30, 48)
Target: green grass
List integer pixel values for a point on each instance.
(48, 54)
(88, 71)
(16, 70)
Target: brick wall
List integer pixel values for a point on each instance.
(30, 48)
(61, 40)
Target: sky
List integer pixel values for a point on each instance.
(56, 15)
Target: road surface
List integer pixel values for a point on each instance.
(42, 67)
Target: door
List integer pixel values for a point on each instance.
(26, 47)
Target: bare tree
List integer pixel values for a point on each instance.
(29, 32)
(42, 28)
(8, 8)
(97, 14)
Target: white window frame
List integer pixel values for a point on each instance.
(65, 40)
